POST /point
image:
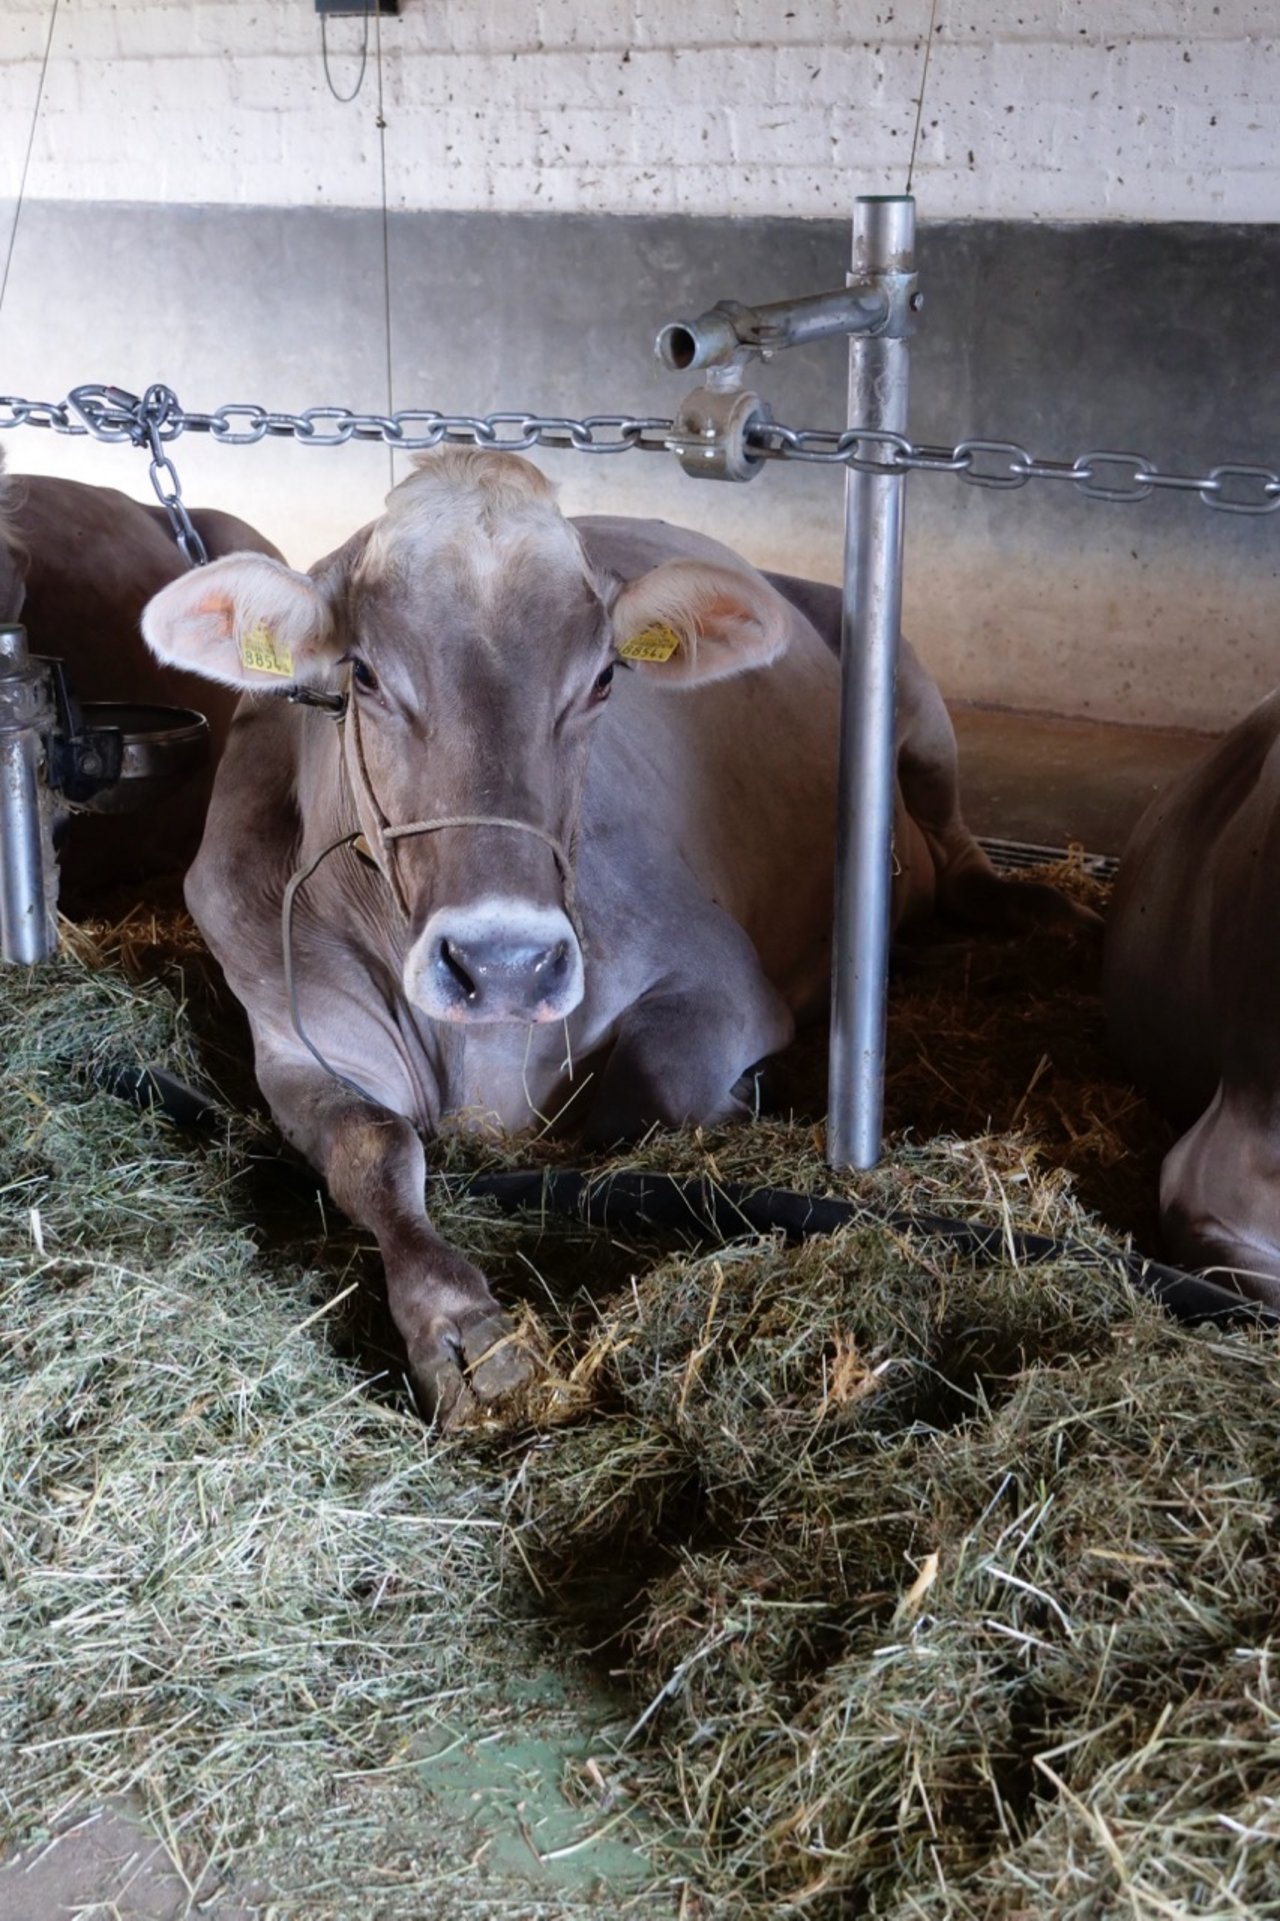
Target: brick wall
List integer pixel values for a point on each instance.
(1045, 109)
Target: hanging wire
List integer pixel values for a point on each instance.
(345, 99)
(386, 238)
(373, 7)
(26, 163)
(924, 81)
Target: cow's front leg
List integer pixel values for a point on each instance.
(461, 1347)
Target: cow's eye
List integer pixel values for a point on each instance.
(363, 675)
(603, 683)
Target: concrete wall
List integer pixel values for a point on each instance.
(1098, 253)
(1033, 109)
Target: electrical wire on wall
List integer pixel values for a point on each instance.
(345, 99)
(924, 81)
(26, 162)
(374, 11)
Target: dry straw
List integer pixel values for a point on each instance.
(848, 1578)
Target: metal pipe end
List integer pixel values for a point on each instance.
(710, 340)
(13, 644)
(884, 233)
(677, 346)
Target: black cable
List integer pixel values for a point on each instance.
(695, 1204)
(701, 1205)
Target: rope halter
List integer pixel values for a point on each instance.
(377, 836)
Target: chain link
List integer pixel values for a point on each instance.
(111, 414)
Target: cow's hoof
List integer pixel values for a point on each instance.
(498, 1361)
(482, 1360)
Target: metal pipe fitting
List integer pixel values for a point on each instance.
(28, 872)
(709, 434)
(729, 328)
(685, 345)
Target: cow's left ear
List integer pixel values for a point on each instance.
(246, 620)
(688, 621)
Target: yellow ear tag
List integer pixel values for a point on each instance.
(258, 649)
(658, 642)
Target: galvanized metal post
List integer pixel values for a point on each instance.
(28, 929)
(883, 256)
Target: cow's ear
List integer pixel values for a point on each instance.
(247, 621)
(688, 621)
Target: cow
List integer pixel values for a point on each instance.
(78, 564)
(562, 855)
(1192, 1006)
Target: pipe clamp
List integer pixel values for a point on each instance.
(710, 431)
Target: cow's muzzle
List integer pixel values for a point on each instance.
(496, 961)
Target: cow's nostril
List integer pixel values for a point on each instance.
(487, 973)
(452, 962)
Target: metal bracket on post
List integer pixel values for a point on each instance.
(711, 433)
(56, 756)
(884, 259)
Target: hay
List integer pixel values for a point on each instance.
(237, 1583)
(952, 1591)
(864, 1579)
(1008, 1039)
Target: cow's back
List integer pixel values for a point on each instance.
(91, 559)
(1195, 910)
(87, 560)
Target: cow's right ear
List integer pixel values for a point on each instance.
(247, 621)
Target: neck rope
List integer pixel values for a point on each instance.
(378, 836)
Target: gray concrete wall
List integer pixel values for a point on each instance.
(1158, 338)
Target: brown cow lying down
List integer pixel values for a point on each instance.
(77, 566)
(577, 887)
(1193, 1008)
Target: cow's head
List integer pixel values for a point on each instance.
(478, 647)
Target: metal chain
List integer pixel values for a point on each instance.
(110, 414)
(147, 422)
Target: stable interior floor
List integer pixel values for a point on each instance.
(1035, 778)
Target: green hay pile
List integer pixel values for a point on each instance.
(940, 1591)
(239, 1586)
(866, 1580)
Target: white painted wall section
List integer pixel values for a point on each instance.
(1031, 109)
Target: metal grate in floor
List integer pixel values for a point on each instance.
(1013, 855)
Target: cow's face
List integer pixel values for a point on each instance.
(477, 650)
